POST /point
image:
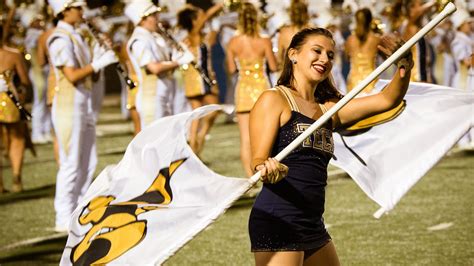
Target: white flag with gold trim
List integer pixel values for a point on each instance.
(387, 154)
(142, 210)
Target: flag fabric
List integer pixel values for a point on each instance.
(142, 210)
(388, 155)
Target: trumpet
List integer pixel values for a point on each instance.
(177, 45)
(96, 33)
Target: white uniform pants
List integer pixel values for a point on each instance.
(163, 102)
(41, 116)
(77, 165)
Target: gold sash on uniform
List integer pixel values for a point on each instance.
(64, 96)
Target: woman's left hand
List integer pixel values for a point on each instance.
(272, 171)
(388, 45)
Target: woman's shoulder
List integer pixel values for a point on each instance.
(272, 97)
(11, 53)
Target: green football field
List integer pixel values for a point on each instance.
(432, 224)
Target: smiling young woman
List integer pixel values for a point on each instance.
(286, 224)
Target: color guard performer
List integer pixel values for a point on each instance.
(72, 113)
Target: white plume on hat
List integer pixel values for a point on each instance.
(138, 9)
(28, 15)
(459, 17)
(59, 6)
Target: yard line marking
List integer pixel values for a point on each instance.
(441, 226)
(33, 241)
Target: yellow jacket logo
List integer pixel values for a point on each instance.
(116, 228)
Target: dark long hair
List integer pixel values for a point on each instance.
(363, 18)
(325, 89)
(186, 17)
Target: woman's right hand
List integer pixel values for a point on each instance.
(272, 171)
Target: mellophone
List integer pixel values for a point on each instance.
(131, 85)
(177, 45)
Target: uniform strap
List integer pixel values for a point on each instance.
(289, 97)
(323, 108)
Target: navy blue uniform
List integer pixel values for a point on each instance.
(287, 216)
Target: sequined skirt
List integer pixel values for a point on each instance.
(248, 89)
(8, 111)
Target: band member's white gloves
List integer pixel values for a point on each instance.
(3, 86)
(104, 60)
(182, 57)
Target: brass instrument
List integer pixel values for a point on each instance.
(232, 5)
(96, 33)
(24, 114)
(377, 26)
(441, 4)
(176, 45)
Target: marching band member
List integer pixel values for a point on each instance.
(11, 124)
(361, 48)
(49, 76)
(72, 112)
(462, 48)
(299, 17)
(151, 58)
(248, 53)
(199, 93)
(41, 116)
(422, 52)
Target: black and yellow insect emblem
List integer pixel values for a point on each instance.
(116, 227)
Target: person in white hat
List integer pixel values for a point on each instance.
(72, 113)
(151, 58)
(462, 48)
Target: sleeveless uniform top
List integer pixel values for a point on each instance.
(251, 83)
(288, 215)
(194, 85)
(8, 111)
(361, 67)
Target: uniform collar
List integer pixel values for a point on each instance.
(66, 26)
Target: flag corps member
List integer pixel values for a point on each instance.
(72, 113)
(152, 61)
(286, 224)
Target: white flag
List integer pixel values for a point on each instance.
(396, 149)
(142, 210)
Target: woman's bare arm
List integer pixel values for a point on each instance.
(269, 55)
(208, 15)
(76, 74)
(264, 124)
(390, 97)
(230, 56)
(21, 70)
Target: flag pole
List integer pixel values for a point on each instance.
(448, 10)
